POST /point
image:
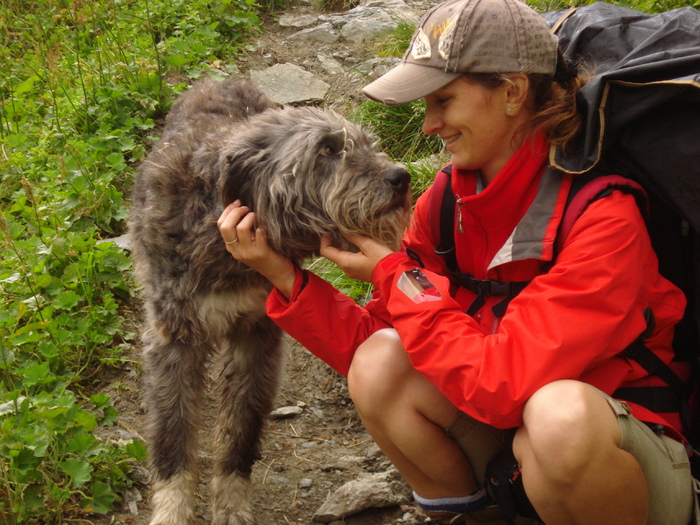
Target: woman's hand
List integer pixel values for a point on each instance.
(248, 244)
(356, 265)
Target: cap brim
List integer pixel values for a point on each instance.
(407, 82)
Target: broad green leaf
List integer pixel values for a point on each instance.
(78, 470)
(176, 60)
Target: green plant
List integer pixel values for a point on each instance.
(336, 5)
(399, 129)
(192, 35)
(272, 6)
(51, 461)
(394, 43)
(359, 291)
(647, 6)
(83, 87)
(423, 172)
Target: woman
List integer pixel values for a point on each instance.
(443, 392)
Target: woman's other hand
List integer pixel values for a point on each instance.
(248, 244)
(356, 265)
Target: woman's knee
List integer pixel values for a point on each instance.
(558, 405)
(377, 370)
(566, 423)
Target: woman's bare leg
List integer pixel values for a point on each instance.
(406, 415)
(573, 469)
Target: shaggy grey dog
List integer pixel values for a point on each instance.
(305, 172)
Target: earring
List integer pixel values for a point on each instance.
(509, 110)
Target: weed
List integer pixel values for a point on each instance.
(336, 5)
(394, 43)
(83, 86)
(399, 129)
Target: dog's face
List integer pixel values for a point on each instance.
(308, 172)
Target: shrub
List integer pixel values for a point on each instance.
(82, 89)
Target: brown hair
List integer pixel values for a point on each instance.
(552, 99)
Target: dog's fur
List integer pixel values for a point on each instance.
(305, 172)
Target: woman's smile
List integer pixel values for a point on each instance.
(448, 141)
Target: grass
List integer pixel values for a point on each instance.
(399, 129)
(83, 86)
(335, 5)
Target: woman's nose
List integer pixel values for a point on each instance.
(431, 122)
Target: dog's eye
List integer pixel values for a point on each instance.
(328, 151)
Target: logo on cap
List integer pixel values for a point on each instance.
(447, 38)
(421, 46)
(443, 33)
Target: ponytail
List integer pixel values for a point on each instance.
(553, 101)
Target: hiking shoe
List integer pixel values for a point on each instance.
(490, 515)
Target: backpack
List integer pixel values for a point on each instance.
(641, 114)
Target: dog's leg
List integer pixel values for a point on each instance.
(246, 388)
(174, 396)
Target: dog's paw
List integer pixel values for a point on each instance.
(237, 517)
(173, 500)
(172, 514)
(230, 501)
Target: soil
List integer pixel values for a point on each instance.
(309, 456)
(304, 458)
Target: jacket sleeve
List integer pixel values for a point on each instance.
(567, 323)
(325, 321)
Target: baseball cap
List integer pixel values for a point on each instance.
(468, 36)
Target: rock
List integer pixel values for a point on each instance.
(392, 5)
(131, 499)
(9, 407)
(297, 21)
(318, 413)
(346, 462)
(289, 84)
(286, 412)
(385, 489)
(123, 241)
(330, 65)
(376, 67)
(324, 34)
(305, 483)
(374, 452)
(367, 23)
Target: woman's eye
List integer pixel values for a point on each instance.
(328, 151)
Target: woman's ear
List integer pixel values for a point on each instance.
(517, 87)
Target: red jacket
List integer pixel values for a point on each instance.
(568, 323)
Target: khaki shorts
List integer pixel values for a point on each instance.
(664, 462)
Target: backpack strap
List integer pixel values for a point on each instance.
(446, 248)
(588, 188)
(672, 397)
(443, 187)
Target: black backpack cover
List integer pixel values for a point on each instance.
(642, 107)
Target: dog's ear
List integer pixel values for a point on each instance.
(236, 177)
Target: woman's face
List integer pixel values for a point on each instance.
(473, 124)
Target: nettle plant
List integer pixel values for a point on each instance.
(81, 92)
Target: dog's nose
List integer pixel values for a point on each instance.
(399, 179)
